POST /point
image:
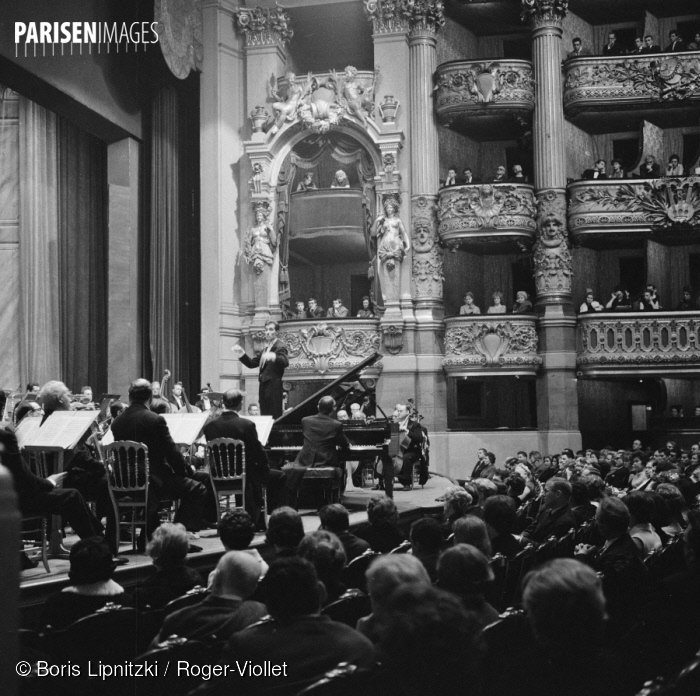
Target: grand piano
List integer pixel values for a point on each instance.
(376, 436)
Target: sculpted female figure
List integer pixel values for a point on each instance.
(392, 241)
(287, 110)
(261, 242)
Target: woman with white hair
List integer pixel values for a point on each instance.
(340, 180)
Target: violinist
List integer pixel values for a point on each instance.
(84, 402)
(204, 403)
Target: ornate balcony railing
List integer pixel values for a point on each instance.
(650, 342)
(596, 82)
(484, 88)
(487, 213)
(491, 345)
(328, 347)
(635, 206)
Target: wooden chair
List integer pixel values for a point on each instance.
(190, 598)
(354, 572)
(516, 569)
(225, 458)
(127, 467)
(403, 547)
(545, 551)
(349, 608)
(36, 525)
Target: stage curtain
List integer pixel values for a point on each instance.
(40, 358)
(82, 255)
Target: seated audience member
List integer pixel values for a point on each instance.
(335, 518)
(472, 530)
(451, 178)
(381, 529)
(338, 311)
(619, 300)
(307, 183)
(617, 171)
(582, 510)
(356, 412)
(226, 610)
(484, 487)
(674, 166)
(500, 177)
(254, 409)
(554, 517)
(285, 530)
(340, 180)
(467, 176)
(518, 177)
(469, 307)
(675, 42)
(314, 309)
(429, 643)
(638, 47)
(499, 517)
(465, 571)
(650, 169)
(578, 49)
(497, 307)
(426, 543)
(686, 304)
(326, 552)
(641, 507)
(342, 415)
(385, 575)
(301, 311)
(457, 503)
(618, 476)
(612, 47)
(366, 311)
(650, 46)
(647, 303)
(590, 305)
(515, 487)
(596, 172)
(673, 522)
(168, 551)
(91, 585)
(522, 303)
(694, 45)
(296, 634)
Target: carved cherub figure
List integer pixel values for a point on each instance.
(285, 108)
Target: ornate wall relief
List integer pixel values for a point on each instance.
(552, 259)
(180, 34)
(265, 26)
(426, 270)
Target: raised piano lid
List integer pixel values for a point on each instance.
(309, 407)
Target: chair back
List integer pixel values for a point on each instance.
(40, 462)
(190, 598)
(349, 608)
(226, 459)
(354, 572)
(403, 547)
(545, 551)
(565, 546)
(127, 465)
(516, 569)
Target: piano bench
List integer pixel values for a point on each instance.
(325, 478)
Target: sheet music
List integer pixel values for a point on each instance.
(263, 425)
(185, 428)
(27, 428)
(63, 429)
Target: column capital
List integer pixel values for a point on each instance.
(264, 26)
(420, 17)
(542, 13)
(387, 16)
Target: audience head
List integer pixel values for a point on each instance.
(159, 406)
(485, 487)
(595, 486)
(365, 302)
(90, 561)
(326, 405)
(140, 391)
(33, 387)
(566, 607)
(426, 537)
(579, 493)
(285, 528)
(515, 485)
(54, 396)
(253, 410)
(641, 507)
(324, 550)
(342, 415)
(169, 545)
(335, 518)
(236, 529)
(464, 569)
(499, 515)
(116, 408)
(576, 42)
(674, 500)
(292, 589)
(557, 493)
(382, 510)
(457, 502)
(237, 574)
(387, 573)
(233, 399)
(612, 518)
(472, 530)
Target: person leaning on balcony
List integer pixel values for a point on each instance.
(647, 303)
(451, 178)
(467, 176)
(613, 48)
(694, 45)
(578, 49)
(676, 43)
(522, 303)
(518, 177)
(590, 305)
(674, 166)
(497, 307)
(617, 171)
(469, 307)
(650, 46)
(619, 300)
(650, 169)
(597, 172)
(500, 177)
(638, 49)
(686, 304)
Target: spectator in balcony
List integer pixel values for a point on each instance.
(686, 304)
(578, 49)
(619, 299)
(694, 45)
(650, 169)
(301, 311)
(338, 311)
(676, 412)
(467, 176)
(522, 303)
(451, 179)
(590, 305)
(501, 177)
(647, 302)
(597, 172)
(469, 307)
(314, 309)
(638, 49)
(307, 183)
(617, 171)
(497, 307)
(613, 48)
(366, 311)
(674, 166)
(650, 46)
(518, 176)
(340, 180)
(676, 43)
(654, 294)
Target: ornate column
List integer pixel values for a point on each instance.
(557, 401)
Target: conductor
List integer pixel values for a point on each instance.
(271, 361)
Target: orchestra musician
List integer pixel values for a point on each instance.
(411, 451)
(178, 397)
(272, 361)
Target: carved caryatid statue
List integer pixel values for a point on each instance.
(261, 240)
(392, 241)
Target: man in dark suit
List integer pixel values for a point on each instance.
(578, 49)
(612, 48)
(676, 43)
(168, 474)
(650, 46)
(650, 169)
(258, 472)
(323, 436)
(555, 518)
(335, 518)
(411, 451)
(597, 172)
(272, 362)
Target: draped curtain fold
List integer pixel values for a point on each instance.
(82, 255)
(40, 358)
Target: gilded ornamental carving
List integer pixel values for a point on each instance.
(552, 260)
(544, 12)
(658, 342)
(388, 16)
(264, 26)
(474, 343)
(426, 268)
